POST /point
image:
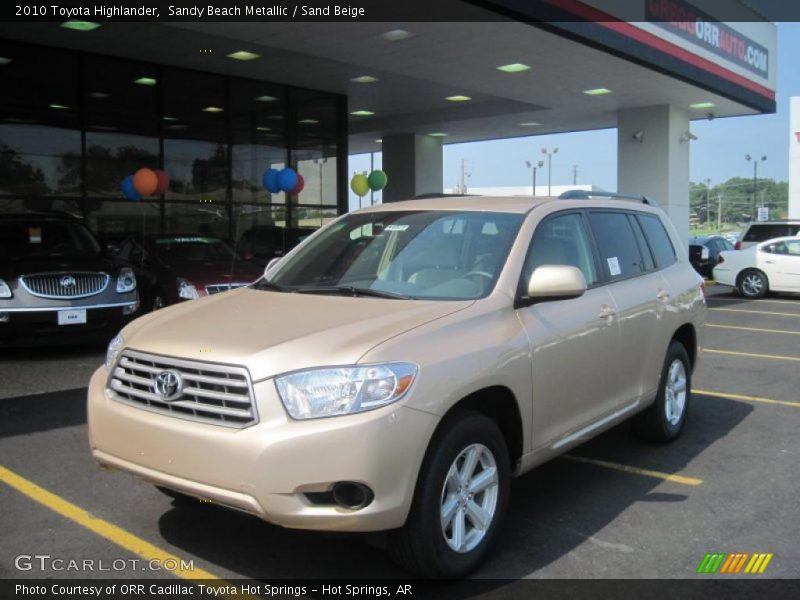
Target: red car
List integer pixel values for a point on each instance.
(172, 267)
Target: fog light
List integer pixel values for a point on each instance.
(130, 308)
(5, 317)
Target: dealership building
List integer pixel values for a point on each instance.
(215, 104)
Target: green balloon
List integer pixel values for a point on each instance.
(377, 180)
(359, 185)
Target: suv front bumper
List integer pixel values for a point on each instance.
(266, 469)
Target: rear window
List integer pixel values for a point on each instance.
(658, 239)
(767, 231)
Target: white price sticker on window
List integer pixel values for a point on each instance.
(395, 228)
(613, 266)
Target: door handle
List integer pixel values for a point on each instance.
(606, 312)
(662, 295)
(770, 262)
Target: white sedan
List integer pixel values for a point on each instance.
(771, 266)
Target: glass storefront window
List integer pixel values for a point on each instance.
(196, 217)
(117, 219)
(313, 216)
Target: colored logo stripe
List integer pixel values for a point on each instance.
(723, 563)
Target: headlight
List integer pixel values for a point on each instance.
(5, 291)
(329, 392)
(186, 289)
(114, 346)
(126, 281)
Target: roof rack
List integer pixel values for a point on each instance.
(587, 195)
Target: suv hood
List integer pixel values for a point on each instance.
(274, 332)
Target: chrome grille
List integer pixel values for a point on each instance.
(65, 285)
(216, 288)
(211, 393)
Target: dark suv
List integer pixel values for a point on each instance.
(56, 284)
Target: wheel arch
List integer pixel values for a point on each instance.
(686, 335)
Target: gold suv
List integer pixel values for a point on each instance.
(399, 366)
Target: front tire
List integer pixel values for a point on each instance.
(663, 421)
(460, 500)
(753, 284)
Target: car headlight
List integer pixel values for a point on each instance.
(114, 347)
(186, 289)
(126, 281)
(5, 290)
(329, 392)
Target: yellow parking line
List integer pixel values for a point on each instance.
(752, 354)
(757, 312)
(752, 329)
(101, 527)
(746, 398)
(636, 470)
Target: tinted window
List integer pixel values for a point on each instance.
(791, 247)
(39, 239)
(619, 252)
(561, 240)
(659, 240)
(764, 232)
(644, 249)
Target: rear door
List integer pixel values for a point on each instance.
(640, 294)
(782, 264)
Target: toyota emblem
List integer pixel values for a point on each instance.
(67, 281)
(168, 384)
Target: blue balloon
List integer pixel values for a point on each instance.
(270, 181)
(287, 179)
(128, 190)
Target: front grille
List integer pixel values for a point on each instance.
(212, 393)
(216, 288)
(65, 285)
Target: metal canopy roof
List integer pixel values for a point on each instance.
(415, 75)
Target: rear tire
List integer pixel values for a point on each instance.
(753, 284)
(663, 420)
(459, 502)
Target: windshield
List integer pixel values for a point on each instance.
(192, 249)
(433, 255)
(21, 239)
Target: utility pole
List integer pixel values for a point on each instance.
(755, 161)
(719, 211)
(574, 174)
(708, 205)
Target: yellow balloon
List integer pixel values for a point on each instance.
(360, 185)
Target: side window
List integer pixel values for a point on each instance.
(561, 240)
(647, 256)
(657, 236)
(779, 248)
(619, 252)
(793, 247)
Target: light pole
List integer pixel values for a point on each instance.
(755, 161)
(538, 165)
(549, 154)
(708, 205)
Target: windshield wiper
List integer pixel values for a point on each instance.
(349, 290)
(263, 284)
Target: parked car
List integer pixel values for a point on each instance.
(732, 236)
(56, 284)
(704, 252)
(395, 370)
(767, 230)
(773, 265)
(262, 243)
(176, 267)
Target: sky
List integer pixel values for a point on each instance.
(717, 154)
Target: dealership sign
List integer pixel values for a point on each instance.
(692, 24)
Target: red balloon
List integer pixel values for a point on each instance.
(145, 182)
(301, 183)
(163, 182)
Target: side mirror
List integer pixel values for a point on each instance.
(556, 282)
(271, 264)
